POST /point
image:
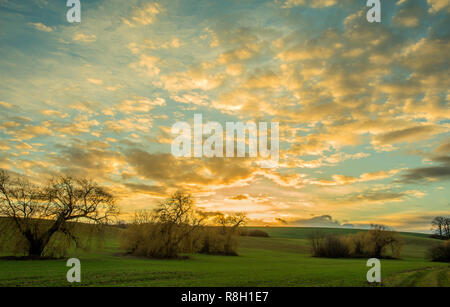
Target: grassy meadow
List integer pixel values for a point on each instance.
(283, 259)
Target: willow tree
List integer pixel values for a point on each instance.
(37, 214)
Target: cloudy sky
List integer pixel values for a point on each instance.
(362, 108)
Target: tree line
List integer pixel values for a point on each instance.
(176, 226)
(48, 219)
(374, 243)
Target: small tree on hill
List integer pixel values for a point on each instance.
(441, 227)
(380, 238)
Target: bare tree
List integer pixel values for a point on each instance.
(178, 218)
(440, 226)
(230, 222)
(38, 213)
(165, 232)
(447, 227)
(228, 231)
(380, 237)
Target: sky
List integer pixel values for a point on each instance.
(362, 107)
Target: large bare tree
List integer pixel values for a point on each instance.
(38, 212)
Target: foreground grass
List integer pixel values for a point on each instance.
(281, 260)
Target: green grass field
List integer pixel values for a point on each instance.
(281, 260)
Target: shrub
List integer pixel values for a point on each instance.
(258, 233)
(357, 244)
(379, 239)
(217, 242)
(371, 244)
(177, 227)
(156, 240)
(440, 253)
(328, 246)
(335, 247)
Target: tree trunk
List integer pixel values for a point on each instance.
(378, 251)
(36, 248)
(37, 245)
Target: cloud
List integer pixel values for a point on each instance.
(139, 105)
(343, 179)
(432, 173)
(41, 27)
(95, 81)
(144, 15)
(413, 134)
(4, 145)
(238, 197)
(317, 221)
(444, 148)
(146, 189)
(409, 16)
(30, 131)
(311, 3)
(87, 159)
(192, 79)
(342, 90)
(281, 221)
(85, 38)
(439, 172)
(147, 64)
(437, 5)
(5, 105)
(175, 172)
(54, 113)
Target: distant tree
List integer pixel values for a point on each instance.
(380, 238)
(440, 252)
(178, 218)
(36, 213)
(166, 231)
(447, 227)
(230, 222)
(330, 246)
(370, 244)
(441, 227)
(221, 237)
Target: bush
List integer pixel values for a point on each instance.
(440, 253)
(158, 240)
(255, 233)
(379, 239)
(175, 227)
(217, 242)
(328, 246)
(371, 244)
(357, 245)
